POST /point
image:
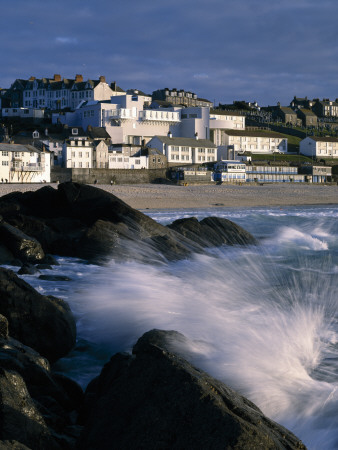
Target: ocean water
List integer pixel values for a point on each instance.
(263, 319)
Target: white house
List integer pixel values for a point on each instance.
(319, 147)
(256, 141)
(24, 164)
(182, 150)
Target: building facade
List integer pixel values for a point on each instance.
(319, 147)
(24, 164)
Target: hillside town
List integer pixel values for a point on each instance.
(57, 129)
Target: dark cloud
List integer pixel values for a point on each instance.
(221, 49)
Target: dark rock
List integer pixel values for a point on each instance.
(213, 231)
(54, 278)
(49, 259)
(44, 323)
(44, 267)
(84, 221)
(28, 269)
(37, 400)
(3, 327)
(24, 247)
(155, 399)
(12, 445)
(6, 256)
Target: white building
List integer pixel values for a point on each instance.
(78, 151)
(256, 141)
(319, 147)
(24, 164)
(229, 171)
(182, 150)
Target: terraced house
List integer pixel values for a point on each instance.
(183, 150)
(57, 93)
(254, 141)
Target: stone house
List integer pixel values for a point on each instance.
(308, 117)
(180, 97)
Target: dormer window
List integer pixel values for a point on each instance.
(75, 131)
(35, 134)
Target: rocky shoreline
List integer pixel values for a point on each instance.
(151, 399)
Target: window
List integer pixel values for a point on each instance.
(5, 153)
(80, 154)
(137, 161)
(87, 154)
(5, 163)
(80, 164)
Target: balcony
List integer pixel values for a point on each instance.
(160, 116)
(28, 168)
(120, 113)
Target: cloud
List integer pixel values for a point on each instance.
(65, 40)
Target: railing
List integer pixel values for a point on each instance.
(29, 168)
(160, 116)
(120, 113)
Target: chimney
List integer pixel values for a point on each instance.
(196, 136)
(113, 85)
(170, 134)
(102, 79)
(57, 77)
(31, 79)
(78, 78)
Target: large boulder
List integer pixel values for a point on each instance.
(212, 231)
(44, 323)
(37, 408)
(156, 399)
(84, 221)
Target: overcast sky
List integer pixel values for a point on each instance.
(223, 50)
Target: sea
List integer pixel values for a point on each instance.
(263, 319)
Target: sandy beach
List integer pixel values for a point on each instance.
(157, 196)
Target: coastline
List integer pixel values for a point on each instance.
(162, 196)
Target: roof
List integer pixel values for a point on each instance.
(254, 133)
(98, 133)
(18, 148)
(203, 100)
(148, 151)
(287, 110)
(188, 142)
(223, 112)
(307, 112)
(323, 138)
(137, 92)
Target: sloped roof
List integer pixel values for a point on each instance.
(188, 142)
(323, 138)
(98, 133)
(18, 148)
(254, 133)
(223, 112)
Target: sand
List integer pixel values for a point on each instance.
(158, 196)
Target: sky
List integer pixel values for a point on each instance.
(223, 50)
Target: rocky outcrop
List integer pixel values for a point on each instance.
(85, 221)
(155, 399)
(213, 232)
(44, 323)
(37, 408)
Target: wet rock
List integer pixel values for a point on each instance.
(44, 267)
(28, 269)
(35, 408)
(44, 323)
(24, 247)
(54, 278)
(156, 399)
(212, 231)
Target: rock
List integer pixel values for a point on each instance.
(213, 231)
(44, 323)
(24, 247)
(28, 269)
(84, 221)
(54, 278)
(155, 399)
(12, 445)
(6, 256)
(44, 267)
(3, 327)
(34, 398)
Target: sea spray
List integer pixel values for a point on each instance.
(263, 319)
